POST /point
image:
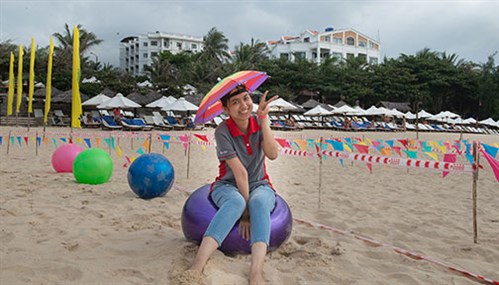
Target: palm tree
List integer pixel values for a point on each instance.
(215, 47)
(249, 56)
(63, 53)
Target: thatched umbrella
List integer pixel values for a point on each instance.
(108, 92)
(42, 92)
(144, 99)
(66, 97)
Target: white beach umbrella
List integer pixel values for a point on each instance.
(90, 80)
(281, 105)
(488, 122)
(146, 83)
(96, 100)
(424, 114)
(396, 113)
(410, 116)
(119, 101)
(162, 102)
(345, 109)
(181, 105)
(469, 121)
(317, 111)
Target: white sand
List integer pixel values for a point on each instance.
(56, 231)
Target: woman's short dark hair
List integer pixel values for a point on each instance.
(236, 91)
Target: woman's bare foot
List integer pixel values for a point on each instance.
(256, 278)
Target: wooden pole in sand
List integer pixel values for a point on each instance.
(320, 172)
(476, 166)
(188, 155)
(8, 142)
(150, 143)
(36, 143)
(109, 144)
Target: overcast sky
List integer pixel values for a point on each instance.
(469, 29)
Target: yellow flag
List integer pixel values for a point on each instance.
(10, 97)
(76, 99)
(31, 89)
(19, 79)
(48, 84)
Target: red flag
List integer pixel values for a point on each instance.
(201, 137)
(448, 157)
(283, 142)
(404, 143)
(494, 164)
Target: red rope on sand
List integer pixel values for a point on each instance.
(408, 253)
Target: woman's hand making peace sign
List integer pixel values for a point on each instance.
(263, 107)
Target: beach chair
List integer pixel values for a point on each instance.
(169, 120)
(108, 123)
(129, 124)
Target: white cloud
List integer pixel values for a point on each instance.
(468, 28)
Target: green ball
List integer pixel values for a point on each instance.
(93, 166)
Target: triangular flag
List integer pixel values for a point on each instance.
(166, 140)
(19, 141)
(397, 150)
(491, 150)
(0, 140)
(201, 137)
(494, 164)
(449, 157)
(26, 140)
(97, 142)
(118, 150)
(411, 153)
(87, 141)
(283, 142)
(432, 154)
(404, 143)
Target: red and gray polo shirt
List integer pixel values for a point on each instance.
(231, 142)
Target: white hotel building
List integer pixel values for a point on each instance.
(315, 46)
(136, 52)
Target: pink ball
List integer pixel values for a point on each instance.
(63, 157)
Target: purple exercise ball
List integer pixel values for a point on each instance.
(199, 210)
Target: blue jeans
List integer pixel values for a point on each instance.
(231, 206)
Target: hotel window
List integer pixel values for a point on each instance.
(338, 55)
(362, 44)
(373, 60)
(145, 44)
(284, 56)
(194, 46)
(179, 45)
(371, 45)
(154, 43)
(363, 56)
(144, 55)
(307, 39)
(166, 43)
(300, 55)
(350, 55)
(326, 39)
(153, 54)
(338, 41)
(350, 41)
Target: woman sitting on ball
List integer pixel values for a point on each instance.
(242, 191)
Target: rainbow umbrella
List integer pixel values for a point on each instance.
(211, 106)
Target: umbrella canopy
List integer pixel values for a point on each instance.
(119, 101)
(410, 116)
(489, 122)
(181, 105)
(96, 100)
(281, 105)
(344, 110)
(211, 106)
(317, 111)
(424, 114)
(162, 102)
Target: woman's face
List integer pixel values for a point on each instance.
(240, 107)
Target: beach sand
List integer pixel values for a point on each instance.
(56, 231)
